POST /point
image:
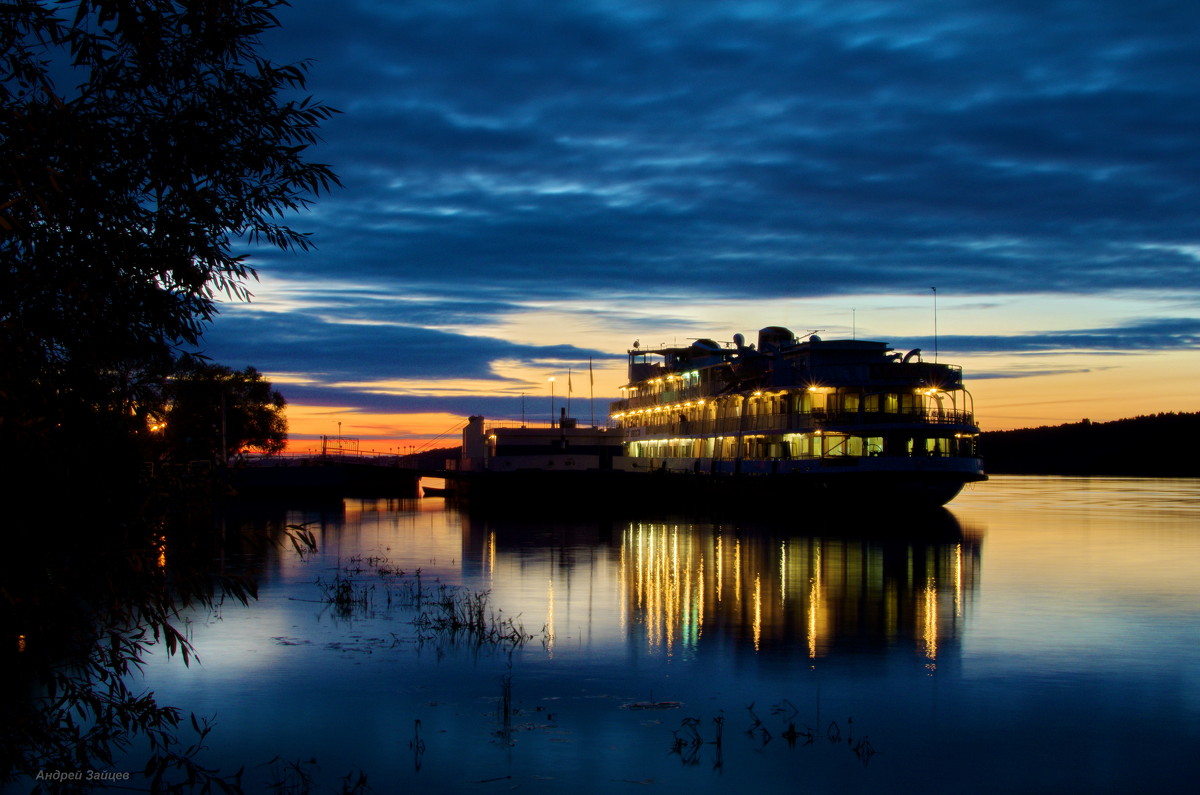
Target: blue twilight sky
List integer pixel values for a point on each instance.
(532, 184)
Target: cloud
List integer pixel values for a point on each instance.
(1006, 374)
(504, 157)
(811, 148)
(1153, 335)
(331, 350)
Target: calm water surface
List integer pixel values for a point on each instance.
(1042, 635)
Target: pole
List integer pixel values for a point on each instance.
(551, 401)
(935, 328)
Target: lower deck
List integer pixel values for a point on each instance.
(815, 444)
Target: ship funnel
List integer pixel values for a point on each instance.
(775, 338)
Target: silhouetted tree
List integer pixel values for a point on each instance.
(215, 413)
(140, 142)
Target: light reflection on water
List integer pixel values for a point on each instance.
(1039, 636)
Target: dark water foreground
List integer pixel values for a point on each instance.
(1038, 636)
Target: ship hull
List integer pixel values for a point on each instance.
(865, 489)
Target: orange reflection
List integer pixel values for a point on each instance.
(829, 592)
(930, 635)
(757, 611)
(550, 617)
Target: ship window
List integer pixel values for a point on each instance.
(850, 401)
(871, 403)
(836, 444)
(891, 405)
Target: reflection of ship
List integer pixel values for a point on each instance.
(770, 591)
(798, 596)
(769, 422)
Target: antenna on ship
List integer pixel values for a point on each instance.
(935, 334)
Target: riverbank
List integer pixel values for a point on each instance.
(1157, 445)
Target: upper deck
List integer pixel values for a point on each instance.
(779, 361)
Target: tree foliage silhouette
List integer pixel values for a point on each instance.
(141, 141)
(143, 145)
(214, 412)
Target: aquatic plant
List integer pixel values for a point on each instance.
(457, 613)
(687, 741)
(417, 745)
(297, 778)
(346, 596)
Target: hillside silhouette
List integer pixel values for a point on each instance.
(1156, 445)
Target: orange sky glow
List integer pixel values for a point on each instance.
(1010, 390)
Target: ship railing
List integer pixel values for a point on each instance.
(803, 421)
(659, 397)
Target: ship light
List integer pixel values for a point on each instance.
(758, 394)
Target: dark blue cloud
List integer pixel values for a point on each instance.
(1168, 334)
(498, 151)
(334, 351)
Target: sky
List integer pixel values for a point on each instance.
(529, 187)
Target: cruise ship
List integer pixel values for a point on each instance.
(784, 421)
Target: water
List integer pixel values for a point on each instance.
(1042, 635)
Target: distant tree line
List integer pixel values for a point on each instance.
(1155, 445)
